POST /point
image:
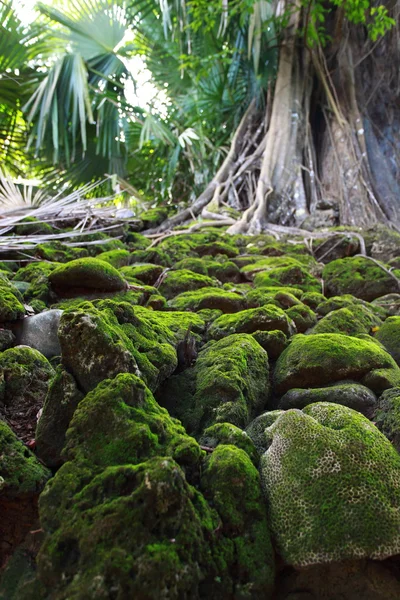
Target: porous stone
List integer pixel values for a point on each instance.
(331, 481)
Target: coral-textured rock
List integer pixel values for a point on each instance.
(332, 484)
(322, 359)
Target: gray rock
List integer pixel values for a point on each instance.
(353, 395)
(40, 332)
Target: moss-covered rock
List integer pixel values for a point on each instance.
(353, 395)
(24, 379)
(213, 298)
(302, 316)
(11, 307)
(332, 485)
(353, 320)
(358, 276)
(146, 272)
(312, 299)
(274, 342)
(255, 430)
(321, 359)
(389, 335)
(21, 473)
(269, 264)
(116, 258)
(265, 318)
(232, 483)
(229, 383)
(387, 416)
(215, 248)
(7, 339)
(390, 303)
(32, 226)
(56, 251)
(228, 434)
(87, 273)
(153, 217)
(61, 401)
(177, 282)
(296, 276)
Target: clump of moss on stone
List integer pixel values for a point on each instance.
(153, 217)
(354, 320)
(87, 273)
(116, 258)
(296, 276)
(11, 307)
(358, 276)
(229, 383)
(20, 471)
(213, 298)
(274, 342)
(146, 272)
(331, 482)
(312, 299)
(389, 335)
(302, 316)
(232, 483)
(228, 434)
(265, 318)
(320, 359)
(32, 226)
(58, 252)
(183, 280)
(387, 416)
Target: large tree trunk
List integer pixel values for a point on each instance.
(326, 151)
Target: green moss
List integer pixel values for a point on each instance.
(213, 298)
(228, 434)
(116, 258)
(296, 276)
(31, 226)
(136, 241)
(20, 471)
(215, 248)
(331, 482)
(265, 318)
(146, 273)
(197, 265)
(98, 341)
(57, 252)
(155, 256)
(358, 276)
(315, 360)
(387, 416)
(337, 302)
(153, 217)
(87, 273)
(24, 378)
(389, 335)
(353, 395)
(177, 282)
(354, 320)
(229, 383)
(11, 307)
(274, 342)
(256, 429)
(303, 317)
(231, 482)
(312, 299)
(269, 264)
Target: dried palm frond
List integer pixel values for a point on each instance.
(12, 197)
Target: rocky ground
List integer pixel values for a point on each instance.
(201, 416)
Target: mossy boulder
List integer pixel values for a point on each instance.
(274, 342)
(32, 226)
(177, 282)
(232, 483)
(353, 320)
(116, 258)
(86, 274)
(265, 318)
(229, 383)
(146, 272)
(25, 375)
(303, 317)
(390, 303)
(21, 473)
(56, 251)
(214, 298)
(358, 276)
(312, 299)
(228, 434)
(265, 265)
(322, 359)
(291, 276)
(331, 481)
(153, 217)
(389, 335)
(353, 395)
(11, 307)
(387, 416)
(100, 340)
(61, 401)
(255, 430)
(7, 339)
(197, 265)
(215, 248)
